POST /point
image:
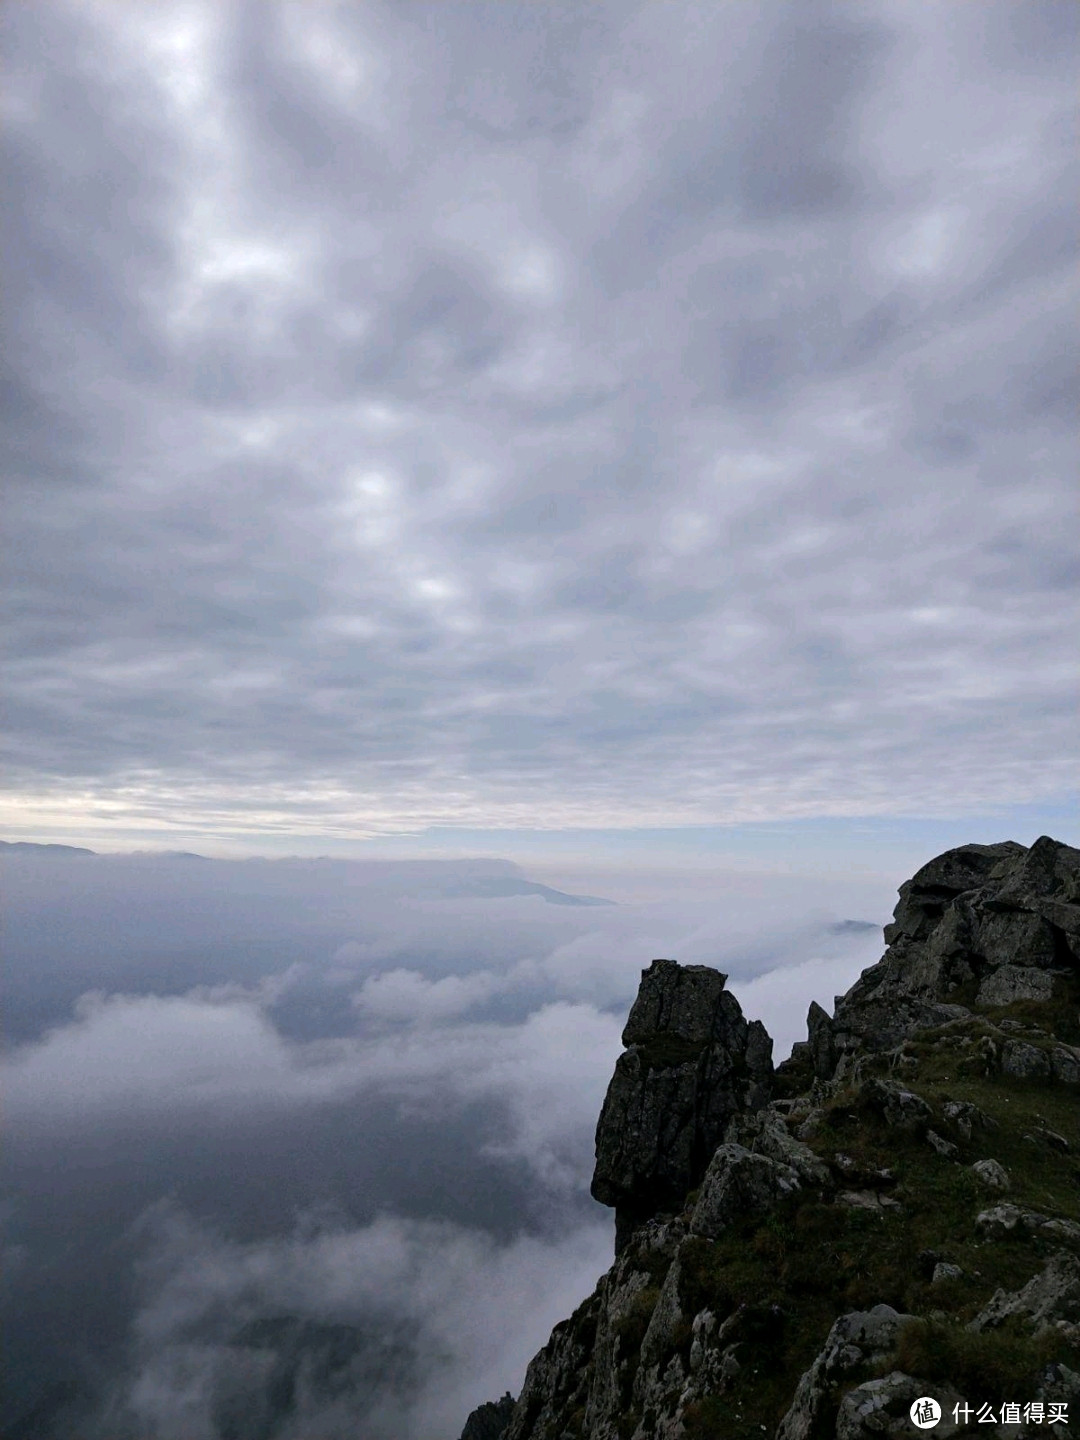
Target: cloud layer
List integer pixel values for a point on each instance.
(537, 416)
(396, 1329)
(325, 1129)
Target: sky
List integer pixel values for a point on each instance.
(461, 461)
(442, 420)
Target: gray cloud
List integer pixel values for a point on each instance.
(612, 417)
(396, 1329)
(257, 936)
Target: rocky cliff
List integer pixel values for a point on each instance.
(892, 1213)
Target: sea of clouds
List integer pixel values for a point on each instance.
(302, 1147)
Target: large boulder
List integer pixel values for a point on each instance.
(1009, 983)
(759, 1165)
(740, 1185)
(1003, 1222)
(880, 1409)
(856, 1341)
(692, 1062)
(765, 1133)
(1049, 1298)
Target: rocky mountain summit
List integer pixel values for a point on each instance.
(893, 1213)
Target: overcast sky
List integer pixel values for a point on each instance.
(515, 417)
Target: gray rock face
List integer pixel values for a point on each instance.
(866, 1200)
(739, 1185)
(1061, 1383)
(758, 1165)
(1002, 1221)
(991, 1173)
(765, 1133)
(1024, 1061)
(900, 1109)
(1048, 1298)
(659, 1338)
(1000, 919)
(967, 1119)
(1065, 1064)
(942, 1146)
(860, 1338)
(1015, 982)
(489, 1421)
(823, 1050)
(692, 1063)
(881, 1409)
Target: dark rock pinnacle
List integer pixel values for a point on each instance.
(692, 1062)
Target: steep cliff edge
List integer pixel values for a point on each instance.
(894, 1212)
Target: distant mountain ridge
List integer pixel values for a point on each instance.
(497, 888)
(27, 847)
(477, 885)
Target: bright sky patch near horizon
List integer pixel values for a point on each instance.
(450, 420)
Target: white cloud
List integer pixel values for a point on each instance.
(561, 1063)
(780, 998)
(459, 1317)
(408, 995)
(139, 1060)
(132, 1056)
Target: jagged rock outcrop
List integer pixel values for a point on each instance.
(881, 1409)
(894, 1212)
(739, 1183)
(1050, 1298)
(692, 1062)
(759, 1164)
(489, 1421)
(854, 1343)
(989, 924)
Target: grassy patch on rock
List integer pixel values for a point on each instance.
(992, 1367)
(631, 1326)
